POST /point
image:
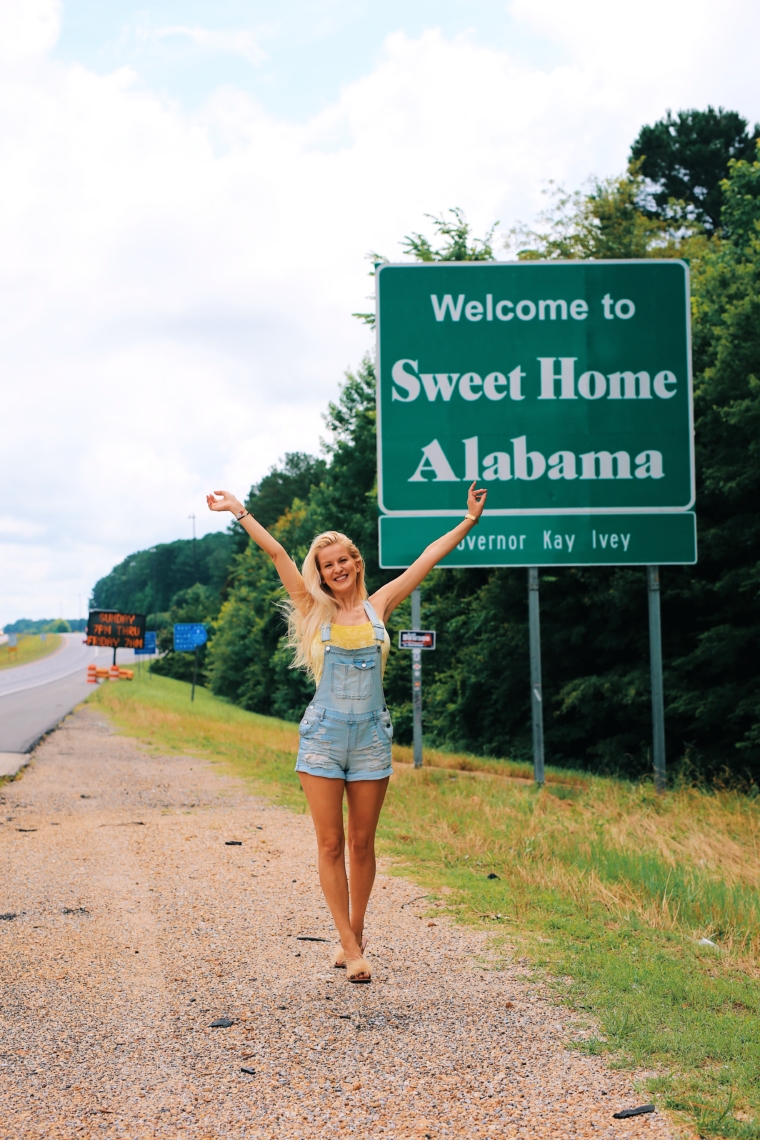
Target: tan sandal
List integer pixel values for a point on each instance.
(339, 956)
(356, 966)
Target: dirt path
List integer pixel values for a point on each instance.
(136, 926)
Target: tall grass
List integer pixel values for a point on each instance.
(598, 880)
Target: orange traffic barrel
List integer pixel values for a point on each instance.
(92, 674)
(113, 673)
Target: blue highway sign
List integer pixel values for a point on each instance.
(149, 646)
(188, 635)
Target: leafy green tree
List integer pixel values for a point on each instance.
(147, 580)
(606, 220)
(457, 242)
(269, 499)
(716, 681)
(45, 625)
(686, 157)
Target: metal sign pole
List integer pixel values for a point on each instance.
(658, 692)
(536, 702)
(195, 674)
(417, 682)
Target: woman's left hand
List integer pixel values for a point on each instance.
(476, 501)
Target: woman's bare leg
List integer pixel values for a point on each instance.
(365, 799)
(325, 798)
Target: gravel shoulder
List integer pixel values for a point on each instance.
(135, 925)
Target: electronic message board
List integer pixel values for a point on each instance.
(564, 388)
(116, 630)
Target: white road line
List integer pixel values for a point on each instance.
(72, 657)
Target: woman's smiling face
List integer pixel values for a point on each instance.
(339, 571)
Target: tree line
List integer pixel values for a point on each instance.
(46, 625)
(692, 190)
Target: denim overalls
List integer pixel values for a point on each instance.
(346, 731)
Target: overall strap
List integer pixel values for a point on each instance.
(377, 626)
(325, 633)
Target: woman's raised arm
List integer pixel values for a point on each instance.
(284, 564)
(391, 595)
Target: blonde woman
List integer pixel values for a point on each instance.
(338, 634)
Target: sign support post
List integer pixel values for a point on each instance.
(195, 674)
(417, 682)
(536, 695)
(655, 659)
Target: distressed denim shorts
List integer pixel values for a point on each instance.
(345, 746)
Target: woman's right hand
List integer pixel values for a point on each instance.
(227, 502)
(284, 564)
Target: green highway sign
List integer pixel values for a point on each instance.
(564, 388)
(549, 540)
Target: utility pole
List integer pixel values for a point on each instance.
(195, 567)
(153, 551)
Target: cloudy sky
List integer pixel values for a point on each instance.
(189, 191)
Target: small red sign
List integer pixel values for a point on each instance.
(416, 639)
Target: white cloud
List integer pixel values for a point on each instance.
(176, 290)
(241, 43)
(29, 28)
(10, 525)
(676, 50)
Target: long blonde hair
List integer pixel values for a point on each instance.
(318, 606)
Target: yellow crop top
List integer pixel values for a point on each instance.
(347, 637)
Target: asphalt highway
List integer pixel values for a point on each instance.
(34, 698)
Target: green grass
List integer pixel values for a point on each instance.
(599, 881)
(30, 648)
